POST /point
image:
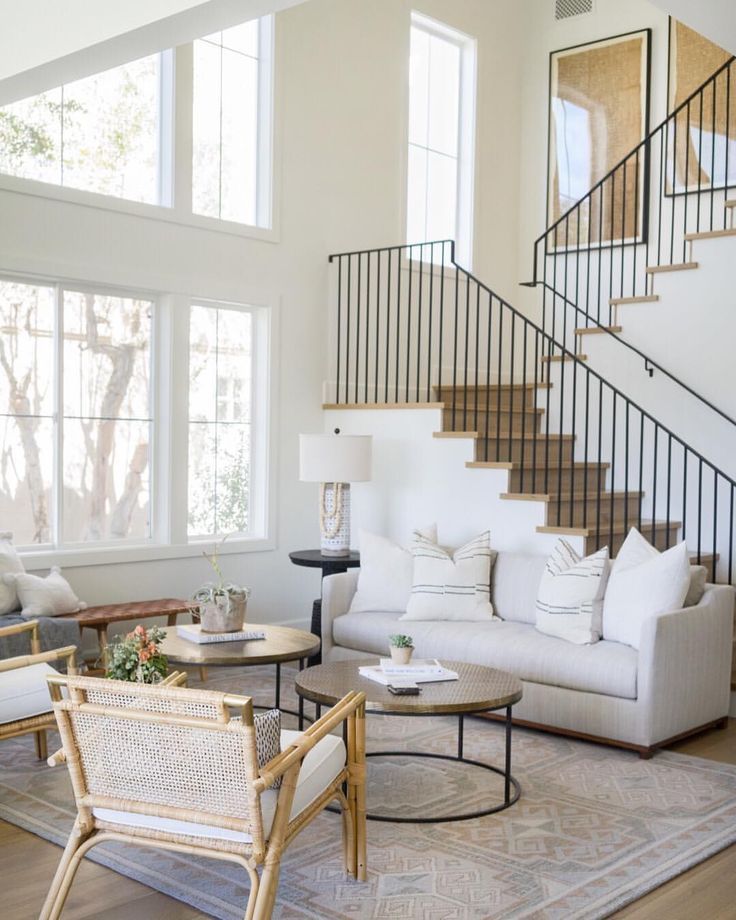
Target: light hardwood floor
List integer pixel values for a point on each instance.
(27, 864)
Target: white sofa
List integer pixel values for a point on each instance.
(677, 683)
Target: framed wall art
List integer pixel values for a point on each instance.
(598, 113)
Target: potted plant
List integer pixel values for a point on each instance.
(401, 648)
(137, 656)
(220, 605)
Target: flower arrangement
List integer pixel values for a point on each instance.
(221, 605)
(138, 657)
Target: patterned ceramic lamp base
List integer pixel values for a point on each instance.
(335, 519)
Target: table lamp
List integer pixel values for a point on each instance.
(334, 461)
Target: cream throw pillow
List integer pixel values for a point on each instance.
(45, 597)
(9, 564)
(384, 578)
(643, 584)
(451, 586)
(570, 596)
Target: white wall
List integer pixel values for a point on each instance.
(341, 72)
(715, 19)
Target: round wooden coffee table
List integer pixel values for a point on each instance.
(477, 690)
(281, 644)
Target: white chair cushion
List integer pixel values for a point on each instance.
(9, 564)
(24, 692)
(320, 767)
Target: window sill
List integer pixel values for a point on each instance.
(156, 212)
(152, 552)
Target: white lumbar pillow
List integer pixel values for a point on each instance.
(570, 596)
(45, 597)
(384, 578)
(9, 564)
(643, 584)
(449, 586)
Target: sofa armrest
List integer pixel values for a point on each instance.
(337, 594)
(684, 674)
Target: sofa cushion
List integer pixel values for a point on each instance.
(570, 598)
(451, 586)
(514, 584)
(319, 768)
(24, 692)
(608, 668)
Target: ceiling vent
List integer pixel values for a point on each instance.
(565, 9)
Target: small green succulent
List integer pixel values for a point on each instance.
(399, 641)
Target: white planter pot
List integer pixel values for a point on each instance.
(224, 614)
(401, 655)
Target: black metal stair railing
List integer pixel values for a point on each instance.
(412, 326)
(642, 217)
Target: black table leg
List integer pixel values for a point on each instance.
(460, 733)
(301, 701)
(507, 772)
(278, 685)
(316, 630)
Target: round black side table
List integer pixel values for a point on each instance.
(330, 565)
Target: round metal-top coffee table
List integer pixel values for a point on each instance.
(281, 644)
(477, 690)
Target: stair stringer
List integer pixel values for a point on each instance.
(419, 479)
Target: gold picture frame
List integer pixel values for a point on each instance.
(598, 114)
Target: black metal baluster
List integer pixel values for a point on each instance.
(378, 330)
(623, 236)
(498, 392)
(419, 319)
(669, 487)
(477, 347)
(512, 381)
(641, 467)
(408, 321)
(674, 199)
(700, 508)
(442, 321)
(429, 324)
(367, 325)
(713, 155)
(626, 471)
(524, 391)
(454, 357)
(467, 346)
(613, 469)
(398, 320)
(487, 428)
(687, 181)
(339, 329)
(700, 159)
(585, 448)
(357, 332)
(600, 460)
(654, 486)
(348, 348)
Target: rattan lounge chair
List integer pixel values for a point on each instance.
(169, 767)
(25, 704)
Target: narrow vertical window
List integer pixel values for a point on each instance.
(220, 416)
(232, 124)
(441, 135)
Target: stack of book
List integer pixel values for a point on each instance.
(419, 671)
(192, 632)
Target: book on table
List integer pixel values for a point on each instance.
(193, 633)
(414, 667)
(378, 674)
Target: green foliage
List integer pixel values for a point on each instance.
(137, 656)
(399, 641)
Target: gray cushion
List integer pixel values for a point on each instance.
(608, 668)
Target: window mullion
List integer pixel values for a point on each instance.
(182, 130)
(57, 481)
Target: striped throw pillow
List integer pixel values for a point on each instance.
(449, 586)
(570, 595)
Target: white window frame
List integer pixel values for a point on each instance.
(175, 148)
(257, 510)
(465, 190)
(168, 459)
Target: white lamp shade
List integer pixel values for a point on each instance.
(335, 457)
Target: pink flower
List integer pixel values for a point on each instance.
(139, 630)
(144, 654)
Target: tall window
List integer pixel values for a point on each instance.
(231, 132)
(75, 415)
(220, 419)
(99, 134)
(441, 135)
(113, 133)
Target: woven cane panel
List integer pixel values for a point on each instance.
(183, 707)
(161, 764)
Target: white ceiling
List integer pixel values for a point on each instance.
(44, 43)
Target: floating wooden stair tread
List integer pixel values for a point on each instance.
(505, 436)
(530, 469)
(616, 528)
(563, 497)
(389, 405)
(485, 387)
(676, 267)
(641, 298)
(710, 234)
(549, 358)
(598, 330)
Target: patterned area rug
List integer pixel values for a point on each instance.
(595, 828)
